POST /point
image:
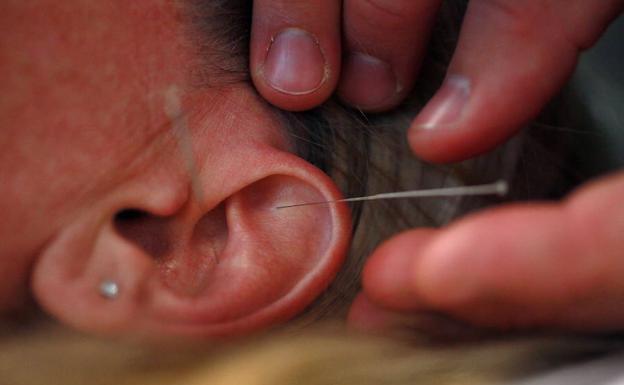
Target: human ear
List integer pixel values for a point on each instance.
(227, 265)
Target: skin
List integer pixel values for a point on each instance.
(83, 115)
(89, 93)
(45, 112)
(537, 265)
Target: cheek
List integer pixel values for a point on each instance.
(80, 104)
(85, 76)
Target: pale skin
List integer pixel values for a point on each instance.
(87, 133)
(537, 265)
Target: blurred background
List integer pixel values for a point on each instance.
(592, 106)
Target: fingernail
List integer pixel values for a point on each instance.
(295, 63)
(447, 106)
(367, 82)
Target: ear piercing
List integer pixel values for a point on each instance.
(109, 289)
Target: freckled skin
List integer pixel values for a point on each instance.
(82, 116)
(80, 103)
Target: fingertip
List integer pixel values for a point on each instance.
(507, 65)
(295, 52)
(367, 317)
(388, 277)
(385, 42)
(295, 63)
(507, 255)
(447, 276)
(369, 83)
(295, 74)
(439, 133)
(362, 315)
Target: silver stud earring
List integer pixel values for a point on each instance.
(109, 289)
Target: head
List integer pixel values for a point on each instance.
(132, 152)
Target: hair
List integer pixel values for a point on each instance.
(368, 153)
(316, 357)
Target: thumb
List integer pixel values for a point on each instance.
(512, 57)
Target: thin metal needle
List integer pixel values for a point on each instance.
(173, 110)
(497, 188)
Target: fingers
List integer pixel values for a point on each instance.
(384, 44)
(366, 316)
(379, 277)
(512, 57)
(295, 51)
(528, 265)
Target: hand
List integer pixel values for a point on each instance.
(531, 265)
(512, 56)
(547, 265)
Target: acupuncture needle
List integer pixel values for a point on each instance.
(497, 188)
(179, 125)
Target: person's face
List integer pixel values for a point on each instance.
(91, 127)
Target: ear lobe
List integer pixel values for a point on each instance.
(66, 278)
(236, 267)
